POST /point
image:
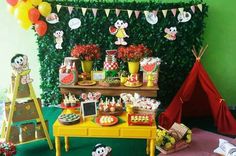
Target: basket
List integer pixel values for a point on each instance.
(115, 113)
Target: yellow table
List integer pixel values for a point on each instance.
(88, 128)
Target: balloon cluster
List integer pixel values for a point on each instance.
(28, 12)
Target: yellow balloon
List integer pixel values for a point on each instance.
(25, 24)
(21, 11)
(11, 9)
(36, 2)
(45, 9)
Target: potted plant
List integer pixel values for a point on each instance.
(87, 54)
(133, 54)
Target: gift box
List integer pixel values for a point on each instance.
(39, 133)
(27, 132)
(23, 89)
(14, 134)
(176, 138)
(23, 111)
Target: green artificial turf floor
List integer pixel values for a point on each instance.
(84, 146)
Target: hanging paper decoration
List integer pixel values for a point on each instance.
(199, 7)
(193, 8)
(174, 11)
(52, 18)
(59, 39)
(181, 10)
(171, 33)
(84, 11)
(117, 12)
(119, 31)
(129, 13)
(184, 16)
(164, 13)
(155, 12)
(70, 9)
(136, 12)
(58, 8)
(107, 11)
(145, 12)
(94, 10)
(151, 18)
(74, 23)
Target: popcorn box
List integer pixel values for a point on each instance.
(22, 111)
(155, 75)
(39, 133)
(27, 132)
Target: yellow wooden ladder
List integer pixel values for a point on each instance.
(6, 127)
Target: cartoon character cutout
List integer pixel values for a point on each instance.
(59, 39)
(19, 63)
(119, 31)
(101, 150)
(171, 33)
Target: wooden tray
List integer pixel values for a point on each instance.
(106, 84)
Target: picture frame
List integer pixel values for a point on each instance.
(97, 75)
(89, 108)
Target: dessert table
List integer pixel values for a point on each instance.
(88, 128)
(110, 91)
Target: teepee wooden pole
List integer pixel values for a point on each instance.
(203, 51)
(194, 52)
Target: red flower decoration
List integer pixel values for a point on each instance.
(88, 52)
(133, 52)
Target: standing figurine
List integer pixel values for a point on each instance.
(59, 39)
(101, 150)
(19, 63)
(119, 30)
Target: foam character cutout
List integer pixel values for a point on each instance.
(19, 63)
(119, 31)
(101, 150)
(171, 33)
(59, 38)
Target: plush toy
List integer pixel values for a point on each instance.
(101, 150)
(171, 33)
(59, 38)
(119, 30)
(19, 63)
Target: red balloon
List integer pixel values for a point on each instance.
(12, 2)
(41, 28)
(34, 15)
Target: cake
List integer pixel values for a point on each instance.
(133, 81)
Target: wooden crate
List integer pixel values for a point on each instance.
(22, 111)
(27, 132)
(14, 134)
(39, 133)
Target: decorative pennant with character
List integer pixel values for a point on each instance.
(170, 33)
(119, 31)
(59, 38)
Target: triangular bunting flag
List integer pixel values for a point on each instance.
(174, 11)
(117, 12)
(70, 9)
(155, 12)
(58, 8)
(107, 11)
(181, 10)
(146, 12)
(200, 7)
(164, 13)
(84, 11)
(94, 10)
(129, 13)
(136, 12)
(193, 8)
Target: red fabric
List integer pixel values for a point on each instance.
(198, 97)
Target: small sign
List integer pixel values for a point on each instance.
(88, 108)
(178, 131)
